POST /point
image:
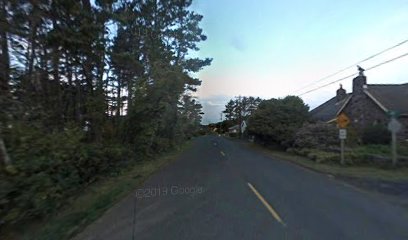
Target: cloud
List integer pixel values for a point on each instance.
(210, 103)
(212, 107)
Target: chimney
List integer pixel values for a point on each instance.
(340, 93)
(359, 82)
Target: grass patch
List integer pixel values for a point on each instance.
(93, 202)
(381, 149)
(369, 172)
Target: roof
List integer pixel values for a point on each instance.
(393, 97)
(329, 110)
(389, 97)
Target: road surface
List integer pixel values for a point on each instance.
(220, 189)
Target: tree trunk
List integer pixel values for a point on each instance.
(78, 101)
(4, 157)
(130, 94)
(118, 95)
(4, 57)
(31, 51)
(4, 78)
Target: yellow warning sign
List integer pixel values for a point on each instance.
(342, 120)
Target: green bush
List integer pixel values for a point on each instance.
(364, 154)
(316, 135)
(304, 151)
(403, 149)
(50, 168)
(357, 158)
(318, 156)
(376, 134)
(327, 157)
(373, 149)
(277, 120)
(359, 155)
(312, 156)
(322, 156)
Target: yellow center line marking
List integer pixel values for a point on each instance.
(222, 153)
(267, 205)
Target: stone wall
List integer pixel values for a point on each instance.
(404, 131)
(364, 112)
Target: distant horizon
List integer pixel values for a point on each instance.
(214, 103)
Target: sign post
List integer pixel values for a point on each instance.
(342, 122)
(342, 136)
(394, 126)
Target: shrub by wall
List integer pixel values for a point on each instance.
(316, 135)
(376, 134)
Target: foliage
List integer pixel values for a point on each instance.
(241, 108)
(277, 120)
(362, 172)
(222, 127)
(50, 168)
(376, 134)
(316, 135)
(79, 101)
(319, 156)
(376, 155)
(237, 110)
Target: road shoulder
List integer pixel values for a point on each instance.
(391, 184)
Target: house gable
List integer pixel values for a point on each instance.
(367, 105)
(329, 110)
(363, 112)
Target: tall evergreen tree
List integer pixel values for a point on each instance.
(82, 82)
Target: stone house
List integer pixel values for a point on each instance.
(367, 105)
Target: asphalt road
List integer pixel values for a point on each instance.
(220, 189)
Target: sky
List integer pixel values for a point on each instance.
(272, 49)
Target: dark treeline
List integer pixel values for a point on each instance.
(84, 87)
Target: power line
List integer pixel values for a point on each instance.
(330, 83)
(359, 62)
(352, 75)
(388, 61)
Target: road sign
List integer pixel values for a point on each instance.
(394, 125)
(243, 126)
(393, 114)
(343, 120)
(342, 134)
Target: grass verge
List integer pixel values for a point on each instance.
(94, 201)
(367, 172)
